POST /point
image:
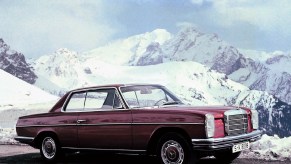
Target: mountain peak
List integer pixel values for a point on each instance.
(14, 63)
(64, 51)
(160, 31)
(190, 29)
(64, 54)
(3, 46)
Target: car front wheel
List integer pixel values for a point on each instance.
(174, 149)
(50, 149)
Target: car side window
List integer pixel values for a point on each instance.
(131, 99)
(102, 99)
(95, 100)
(76, 102)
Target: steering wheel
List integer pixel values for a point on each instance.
(160, 101)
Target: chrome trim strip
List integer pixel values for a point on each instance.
(235, 112)
(117, 124)
(97, 110)
(24, 138)
(26, 126)
(105, 124)
(168, 123)
(120, 124)
(129, 150)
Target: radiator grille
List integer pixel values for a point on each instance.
(236, 122)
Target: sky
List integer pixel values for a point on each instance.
(36, 28)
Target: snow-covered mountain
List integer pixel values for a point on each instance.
(15, 92)
(195, 83)
(128, 51)
(257, 70)
(15, 63)
(271, 73)
(191, 45)
(55, 73)
(199, 67)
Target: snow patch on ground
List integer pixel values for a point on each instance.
(7, 135)
(10, 114)
(270, 148)
(17, 92)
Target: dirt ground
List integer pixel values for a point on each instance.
(27, 154)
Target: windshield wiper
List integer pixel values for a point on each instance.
(171, 103)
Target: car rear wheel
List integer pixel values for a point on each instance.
(174, 149)
(226, 156)
(50, 149)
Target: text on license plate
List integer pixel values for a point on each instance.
(240, 147)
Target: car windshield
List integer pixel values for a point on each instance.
(148, 96)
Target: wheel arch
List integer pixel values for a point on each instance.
(41, 135)
(153, 142)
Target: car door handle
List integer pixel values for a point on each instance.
(81, 121)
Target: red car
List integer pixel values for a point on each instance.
(146, 119)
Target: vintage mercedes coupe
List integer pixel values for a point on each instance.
(144, 118)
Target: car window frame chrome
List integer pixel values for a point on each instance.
(124, 107)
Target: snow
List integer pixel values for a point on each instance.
(270, 148)
(18, 98)
(10, 114)
(255, 54)
(16, 92)
(126, 51)
(193, 82)
(7, 135)
(188, 79)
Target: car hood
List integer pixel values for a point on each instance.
(216, 111)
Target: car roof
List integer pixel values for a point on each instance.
(114, 86)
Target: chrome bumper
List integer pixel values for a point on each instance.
(225, 142)
(25, 140)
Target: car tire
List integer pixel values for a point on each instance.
(173, 148)
(50, 149)
(226, 156)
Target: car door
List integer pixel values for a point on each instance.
(104, 123)
(67, 119)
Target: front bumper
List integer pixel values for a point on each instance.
(225, 142)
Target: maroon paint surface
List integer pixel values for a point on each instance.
(120, 128)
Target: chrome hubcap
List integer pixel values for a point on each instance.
(48, 147)
(172, 152)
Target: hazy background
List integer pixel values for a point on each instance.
(40, 27)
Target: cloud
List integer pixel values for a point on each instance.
(268, 16)
(186, 24)
(197, 2)
(200, 2)
(40, 27)
(49, 25)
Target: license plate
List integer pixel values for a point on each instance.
(241, 146)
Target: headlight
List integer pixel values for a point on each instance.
(255, 119)
(209, 125)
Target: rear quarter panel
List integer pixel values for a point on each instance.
(62, 124)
